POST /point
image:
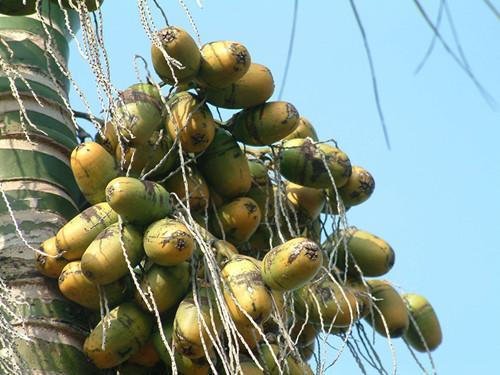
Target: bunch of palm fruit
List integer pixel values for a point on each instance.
(204, 247)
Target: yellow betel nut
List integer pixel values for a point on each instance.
(104, 260)
(178, 45)
(292, 264)
(168, 242)
(254, 88)
(246, 294)
(93, 168)
(75, 286)
(239, 219)
(190, 120)
(77, 234)
(194, 323)
(51, 265)
(223, 63)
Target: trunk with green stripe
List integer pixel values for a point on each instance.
(40, 189)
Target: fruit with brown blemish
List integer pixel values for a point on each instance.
(358, 189)
(104, 260)
(264, 124)
(424, 331)
(223, 63)
(128, 328)
(77, 234)
(303, 130)
(190, 119)
(310, 164)
(93, 168)
(197, 189)
(75, 286)
(292, 264)
(225, 166)
(180, 46)
(238, 220)
(194, 323)
(138, 201)
(246, 295)
(254, 88)
(52, 264)
(168, 242)
(167, 285)
(373, 255)
(328, 302)
(390, 315)
(139, 113)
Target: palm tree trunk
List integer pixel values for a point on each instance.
(39, 188)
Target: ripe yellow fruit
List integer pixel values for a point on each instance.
(223, 63)
(246, 288)
(192, 325)
(93, 168)
(104, 261)
(178, 45)
(292, 264)
(77, 234)
(424, 332)
(190, 120)
(254, 88)
(168, 242)
(308, 202)
(49, 266)
(390, 308)
(75, 286)
(358, 189)
(239, 220)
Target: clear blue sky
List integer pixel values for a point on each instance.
(437, 194)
